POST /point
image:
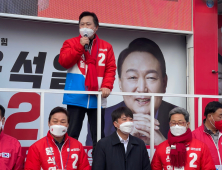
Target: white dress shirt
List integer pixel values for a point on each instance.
(125, 142)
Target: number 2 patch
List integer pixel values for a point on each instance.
(74, 156)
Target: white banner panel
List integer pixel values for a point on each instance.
(28, 59)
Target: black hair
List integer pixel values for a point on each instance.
(57, 110)
(2, 111)
(212, 107)
(142, 45)
(92, 14)
(116, 114)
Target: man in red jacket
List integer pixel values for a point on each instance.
(210, 131)
(57, 150)
(10, 148)
(91, 67)
(180, 151)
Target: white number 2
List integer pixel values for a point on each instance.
(75, 156)
(194, 155)
(102, 59)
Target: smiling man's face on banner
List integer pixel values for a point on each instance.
(141, 73)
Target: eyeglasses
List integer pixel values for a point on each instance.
(177, 123)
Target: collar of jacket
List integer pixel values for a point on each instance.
(203, 129)
(51, 139)
(115, 139)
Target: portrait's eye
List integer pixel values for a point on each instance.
(151, 78)
(132, 77)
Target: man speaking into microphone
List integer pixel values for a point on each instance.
(91, 67)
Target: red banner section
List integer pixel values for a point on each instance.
(220, 34)
(165, 14)
(23, 117)
(205, 52)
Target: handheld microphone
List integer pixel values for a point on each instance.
(86, 46)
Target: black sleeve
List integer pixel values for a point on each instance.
(99, 158)
(146, 160)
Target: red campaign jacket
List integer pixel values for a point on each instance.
(72, 57)
(10, 153)
(216, 151)
(197, 157)
(72, 51)
(72, 154)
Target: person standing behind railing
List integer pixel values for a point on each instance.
(10, 148)
(181, 151)
(211, 131)
(91, 66)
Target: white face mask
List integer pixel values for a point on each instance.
(58, 130)
(178, 130)
(86, 32)
(126, 127)
(0, 124)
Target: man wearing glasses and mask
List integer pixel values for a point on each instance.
(181, 151)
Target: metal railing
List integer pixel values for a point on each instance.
(99, 94)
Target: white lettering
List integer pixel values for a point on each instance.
(102, 49)
(51, 161)
(194, 155)
(169, 167)
(52, 168)
(102, 59)
(82, 64)
(75, 156)
(168, 158)
(49, 151)
(168, 150)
